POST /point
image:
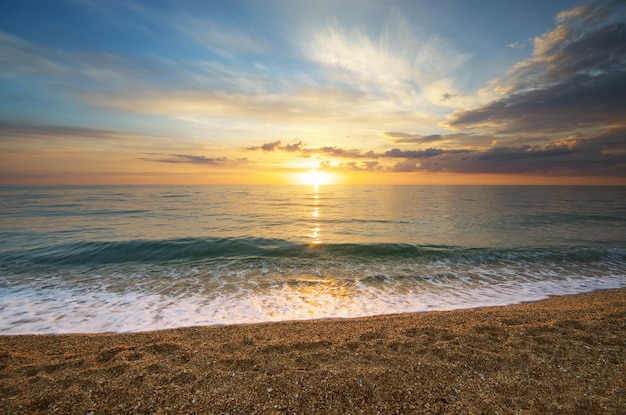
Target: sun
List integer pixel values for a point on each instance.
(316, 178)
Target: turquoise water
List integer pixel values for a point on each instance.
(132, 258)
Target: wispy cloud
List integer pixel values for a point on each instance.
(72, 71)
(224, 39)
(399, 137)
(10, 130)
(201, 160)
(398, 75)
(15, 134)
(519, 45)
(297, 106)
(19, 57)
(405, 66)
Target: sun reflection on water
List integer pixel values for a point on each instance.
(315, 228)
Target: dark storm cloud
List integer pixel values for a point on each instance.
(576, 78)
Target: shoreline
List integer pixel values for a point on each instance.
(564, 354)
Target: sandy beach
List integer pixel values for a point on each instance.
(562, 355)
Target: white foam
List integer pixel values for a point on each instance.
(29, 311)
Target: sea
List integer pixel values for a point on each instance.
(92, 259)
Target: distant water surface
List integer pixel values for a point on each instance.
(133, 258)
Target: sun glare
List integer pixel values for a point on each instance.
(316, 178)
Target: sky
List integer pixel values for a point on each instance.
(288, 91)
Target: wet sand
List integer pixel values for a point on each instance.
(563, 355)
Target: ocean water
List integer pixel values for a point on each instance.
(135, 258)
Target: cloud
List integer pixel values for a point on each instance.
(72, 71)
(603, 154)
(293, 147)
(223, 89)
(202, 160)
(208, 27)
(467, 141)
(19, 57)
(561, 111)
(337, 152)
(519, 45)
(575, 80)
(413, 154)
(16, 135)
(223, 39)
(582, 102)
(474, 141)
(397, 64)
(13, 131)
(446, 96)
(371, 166)
(296, 106)
(333, 151)
(277, 145)
(406, 166)
(270, 146)
(183, 86)
(400, 137)
(611, 141)
(597, 156)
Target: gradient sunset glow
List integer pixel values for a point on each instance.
(319, 92)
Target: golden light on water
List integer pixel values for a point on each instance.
(316, 230)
